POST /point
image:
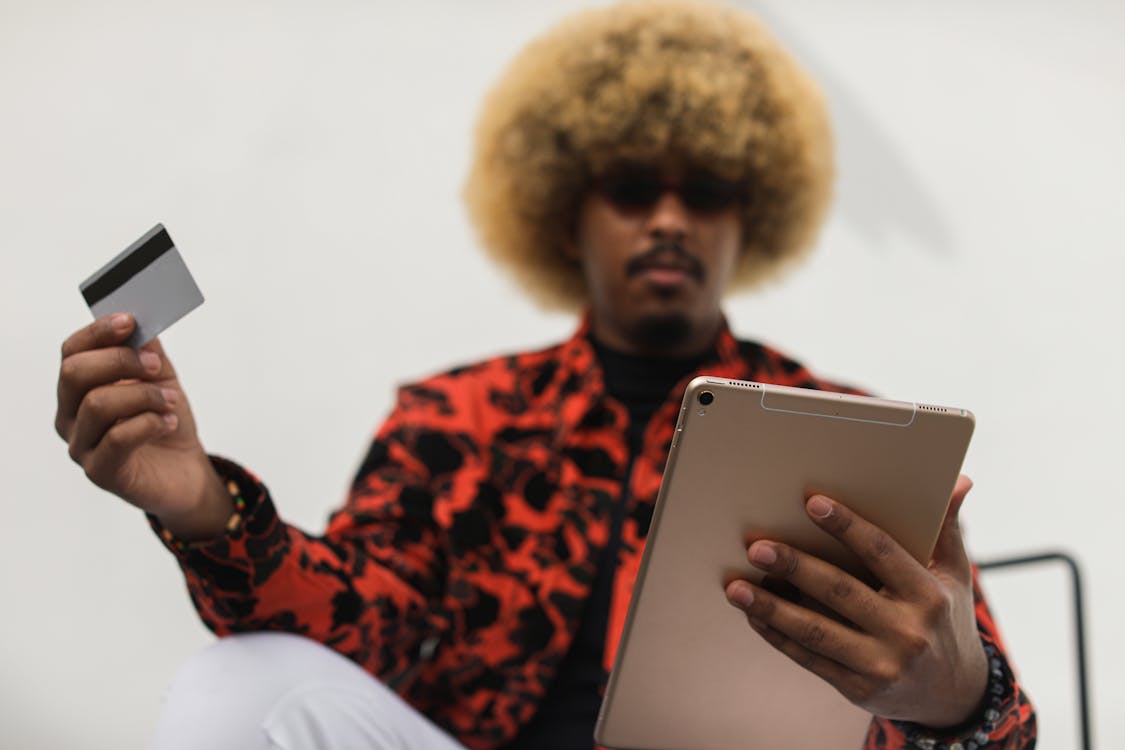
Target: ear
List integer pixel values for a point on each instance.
(571, 252)
(571, 245)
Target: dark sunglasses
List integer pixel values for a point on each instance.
(640, 188)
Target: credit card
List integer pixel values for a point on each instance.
(150, 281)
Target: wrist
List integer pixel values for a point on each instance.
(214, 506)
(975, 731)
(965, 695)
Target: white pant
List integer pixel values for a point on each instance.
(276, 691)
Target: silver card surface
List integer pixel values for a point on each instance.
(150, 281)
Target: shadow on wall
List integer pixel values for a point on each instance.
(876, 191)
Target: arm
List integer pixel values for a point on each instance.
(371, 584)
(365, 587)
(921, 650)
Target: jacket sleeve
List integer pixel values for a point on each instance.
(1005, 719)
(368, 586)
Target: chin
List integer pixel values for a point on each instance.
(662, 331)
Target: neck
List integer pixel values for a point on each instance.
(672, 337)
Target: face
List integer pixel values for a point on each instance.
(657, 247)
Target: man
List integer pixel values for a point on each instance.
(636, 162)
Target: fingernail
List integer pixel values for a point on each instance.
(150, 361)
(763, 554)
(170, 421)
(171, 396)
(741, 595)
(120, 323)
(757, 624)
(819, 506)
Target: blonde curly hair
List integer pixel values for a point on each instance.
(638, 82)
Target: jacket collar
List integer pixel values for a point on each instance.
(580, 382)
(727, 359)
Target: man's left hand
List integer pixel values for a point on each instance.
(909, 650)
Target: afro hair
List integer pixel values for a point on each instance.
(637, 82)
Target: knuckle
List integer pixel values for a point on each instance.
(915, 643)
(868, 605)
(93, 403)
(68, 371)
(765, 606)
(62, 427)
(92, 465)
(812, 635)
(842, 523)
(884, 673)
(115, 440)
(127, 360)
(787, 562)
(937, 606)
(841, 589)
(881, 545)
(71, 344)
(154, 425)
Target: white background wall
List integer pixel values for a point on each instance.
(307, 159)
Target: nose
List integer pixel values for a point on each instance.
(668, 218)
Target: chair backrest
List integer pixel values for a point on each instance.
(1019, 592)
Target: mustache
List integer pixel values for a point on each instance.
(666, 253)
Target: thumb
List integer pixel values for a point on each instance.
(949, 550)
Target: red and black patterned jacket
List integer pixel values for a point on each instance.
(457, 570)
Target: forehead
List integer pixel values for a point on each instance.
(668, 168)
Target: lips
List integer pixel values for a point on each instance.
(666, 263)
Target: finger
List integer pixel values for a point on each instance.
(166, 369)
(881, 554)
(108, 330)
(86, 370)
(859, 688)
(819, 637)
(833, 588)
(846, 681)
(104, 407)
(949, 550)
(104, 463)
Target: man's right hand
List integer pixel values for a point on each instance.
(127, 422)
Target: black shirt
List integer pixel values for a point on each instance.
(566, 717)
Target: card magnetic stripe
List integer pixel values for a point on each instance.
(130, 266)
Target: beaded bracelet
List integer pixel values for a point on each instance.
(232, 523)
(979, 735)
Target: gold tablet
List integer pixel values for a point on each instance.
(689, 672)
